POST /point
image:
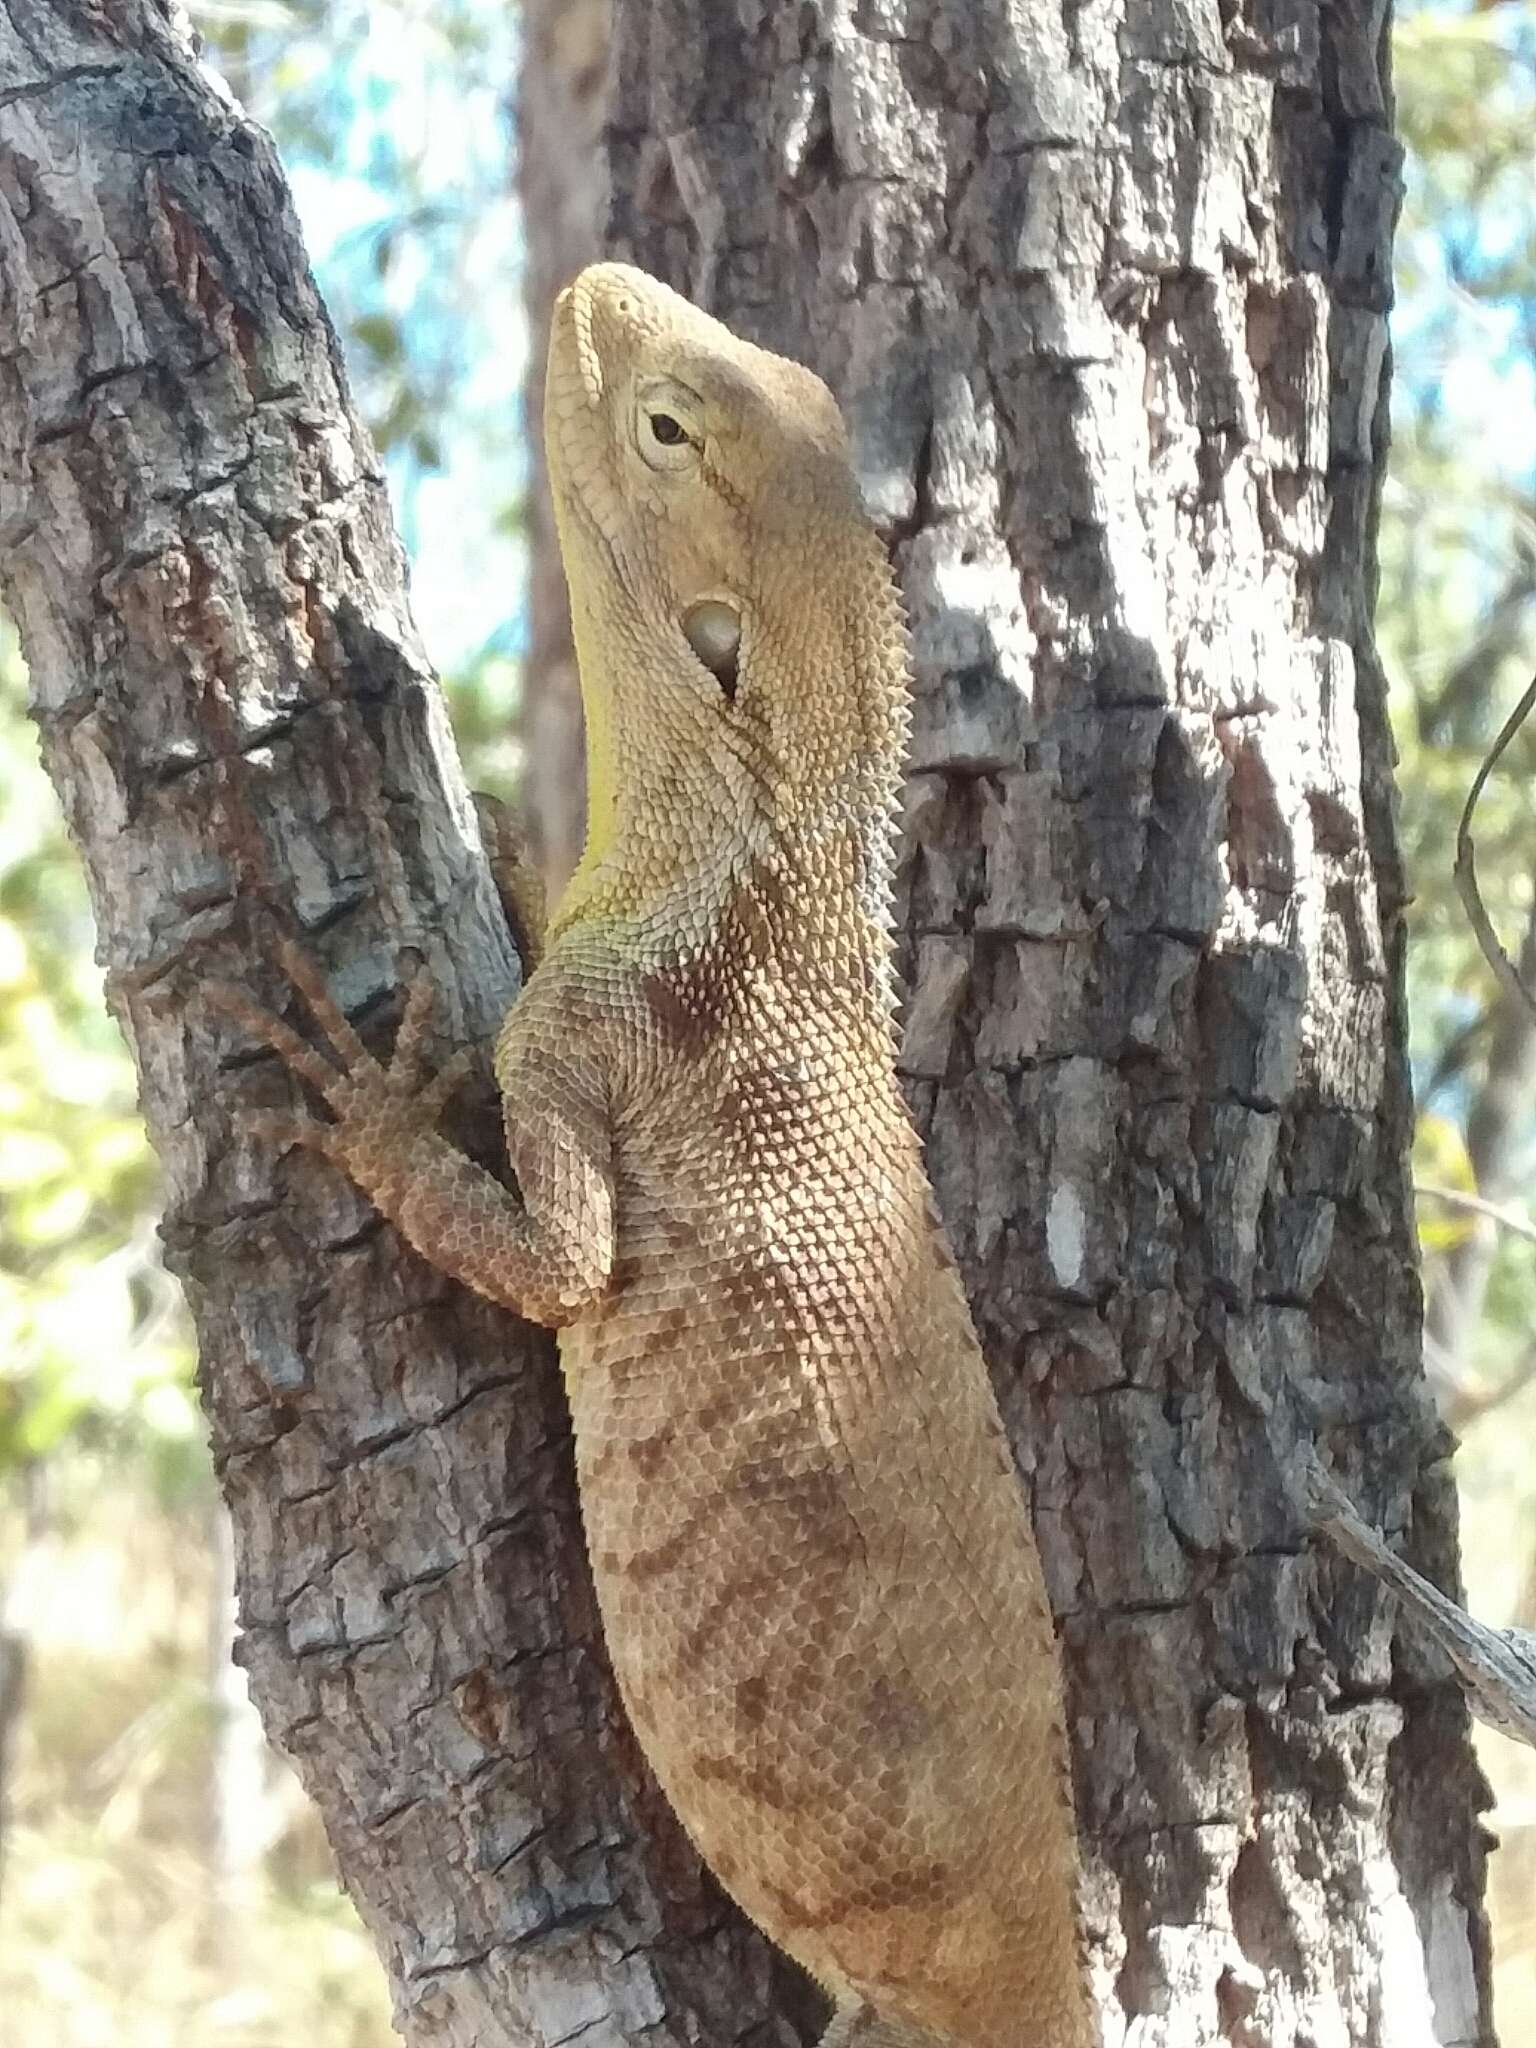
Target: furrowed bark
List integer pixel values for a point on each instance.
(1103, 292)
(246, 737)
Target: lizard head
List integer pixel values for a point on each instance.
(741, 646)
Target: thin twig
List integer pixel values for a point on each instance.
(1456, 1054)
(1497, 1666)
(1466, 862)
(1458, 1198)
(1496, 638)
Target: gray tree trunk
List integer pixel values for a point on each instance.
(560, 105)
(1104, 296)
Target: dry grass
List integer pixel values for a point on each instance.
(114, 1930)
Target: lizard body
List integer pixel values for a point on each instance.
(816, 1574)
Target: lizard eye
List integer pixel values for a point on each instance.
(668, 434)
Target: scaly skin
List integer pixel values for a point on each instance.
(817, 1578)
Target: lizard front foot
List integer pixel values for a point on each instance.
(379, 1109)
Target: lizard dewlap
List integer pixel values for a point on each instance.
(817, 1577)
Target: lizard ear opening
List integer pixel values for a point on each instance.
(713, 630)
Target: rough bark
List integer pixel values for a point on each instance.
(1104, 293)
(195, 542)
(560, 106)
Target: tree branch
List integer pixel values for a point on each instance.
(1497, 636)
(1497, 1666)
(1466, 861)
(1459, 1198)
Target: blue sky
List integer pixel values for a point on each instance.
(398, 145)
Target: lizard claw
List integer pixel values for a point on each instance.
(439, 1092)
(295, 1053)
(370, 1100)
(519, 881)
(282, 1131)
(408, 1068)
(323, 1006)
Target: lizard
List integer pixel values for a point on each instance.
(816, 1573)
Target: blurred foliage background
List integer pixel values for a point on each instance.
(163, 1881)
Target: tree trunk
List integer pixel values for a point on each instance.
(195, 543)
(1104, 294)
(1155, 1028)
(560, 106)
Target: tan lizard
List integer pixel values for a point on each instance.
(817, 1578)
